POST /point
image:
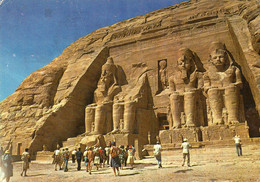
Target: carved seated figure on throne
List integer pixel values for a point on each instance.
(185, 91)
(116, 102)
(98, 115)
(222, 84)
(134, 96)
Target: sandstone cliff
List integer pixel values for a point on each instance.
(49, 105)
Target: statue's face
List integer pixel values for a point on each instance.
(184, 63)
(218, 58)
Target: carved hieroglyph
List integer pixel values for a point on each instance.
(185, 90)
(222, 84)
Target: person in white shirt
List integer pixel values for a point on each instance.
(73, 155)
(57, 158)
(157, 154)
(238, 145)
(185, 150)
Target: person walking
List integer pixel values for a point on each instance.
(66, 156)
(122, 155)
(7, 165)
(130, 158)
(57, 158)
(26, 159)
(238, 145)
(186, 152)
(85, 155)
(107, 150)
(157, 154)
(79, 156)
(73, 155)
(115, 162)
(96, 157)
(90, 155)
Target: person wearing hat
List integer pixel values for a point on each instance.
(238, 145)
(7, 165)
(157, 154)
(186, 153)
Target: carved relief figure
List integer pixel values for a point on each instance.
(163, 76)
(184, 87)
(222, 84)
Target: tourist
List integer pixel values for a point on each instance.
(66, 156)
(63, 159)
(90, 156)
(157, 154)
(7, 165)
(73, 155)
(115, 162)
(186, 153)
(102, 157)
(130, 158)
(85, 155)
(96, 157)
(126, 151)
(57, 158)
(107, 149)
(79, 155)
(122, 155)
(238, 145)
(26, 159)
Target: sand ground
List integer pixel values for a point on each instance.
(207, 164)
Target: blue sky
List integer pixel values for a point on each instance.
(34, 32)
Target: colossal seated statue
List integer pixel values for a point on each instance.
(222, 84)
(99, 114)
(185, 94)
(134, 96)
(115, 102)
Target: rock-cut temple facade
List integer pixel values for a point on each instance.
(191, 70)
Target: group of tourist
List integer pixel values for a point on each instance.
(116, 157)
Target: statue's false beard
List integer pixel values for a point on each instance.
(184, 74)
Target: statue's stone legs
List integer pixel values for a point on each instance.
(215, 97)
(129, 117)
(118, 114)
(176, 108)
(232, 104)
(190, 108)
(100, 116)
(89, 118)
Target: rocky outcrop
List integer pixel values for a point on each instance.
(49, 105)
